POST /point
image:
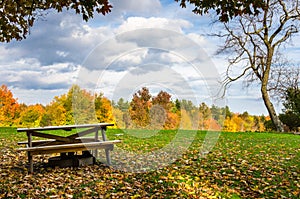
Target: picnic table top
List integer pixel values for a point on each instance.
(65, 127)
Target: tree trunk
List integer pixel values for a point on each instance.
(264, 90)
(271, 110)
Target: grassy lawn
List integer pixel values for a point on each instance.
(241, 165)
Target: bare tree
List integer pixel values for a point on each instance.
(254, 45)
(283, 78)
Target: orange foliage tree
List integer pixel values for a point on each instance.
(9, 107)
(140, 108)
(168, 118)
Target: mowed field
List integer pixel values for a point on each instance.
(240, 165)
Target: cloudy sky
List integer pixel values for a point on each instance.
(151, 43)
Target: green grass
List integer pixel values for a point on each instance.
(241, 165)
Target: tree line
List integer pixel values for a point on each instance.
(143, 111)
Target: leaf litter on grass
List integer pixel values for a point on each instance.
(241, 165)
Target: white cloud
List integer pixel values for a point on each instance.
(133, 23)
(28, 73)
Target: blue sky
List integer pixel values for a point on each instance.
(150, 43)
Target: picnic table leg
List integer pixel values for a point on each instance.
(107, 157)
(103, 134)
(106, 150)
(30, 161)
(96, 139)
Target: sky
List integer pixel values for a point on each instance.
(151, 43)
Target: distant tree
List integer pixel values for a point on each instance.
(55, 113)
(218, 114)
(9, 107)
(157, 116)
(83, 105)
(164, 112)
(235, 123)
(32, 115)
(76, 106)
(205, 115)
(291, 120)
(228, 113)
(269, 126)
(163, 99)
(177, 106)
(187, 105)
(122, 104)
(18, 16)
(185, 120)
(205, 111)
(291, 117)
(103, 109)
(172, 121)
(292, 103)
(140, 107)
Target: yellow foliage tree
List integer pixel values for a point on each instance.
(32, 115)
(103, 109)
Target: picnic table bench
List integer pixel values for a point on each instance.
(69, 144)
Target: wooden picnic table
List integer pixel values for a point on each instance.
(65, 144)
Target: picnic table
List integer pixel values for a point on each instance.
(67, 144)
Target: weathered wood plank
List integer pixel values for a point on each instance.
(35, 141)
(82, 133)
(78, 140)
(66, 127)
(67, 150)
(64, 148)
(51, 136)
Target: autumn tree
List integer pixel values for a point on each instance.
(103, 109)
(140, 107)
(243, 122)
(9, 107)
(82, 105)
(189, 114)
(76, 106)
(218, 114)
(185, 120)
(254, 44)
(205, 115)
(56, 113)
(187, 105)
(32, 115)
(121, 114)
(18, 16)
(163, 112)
